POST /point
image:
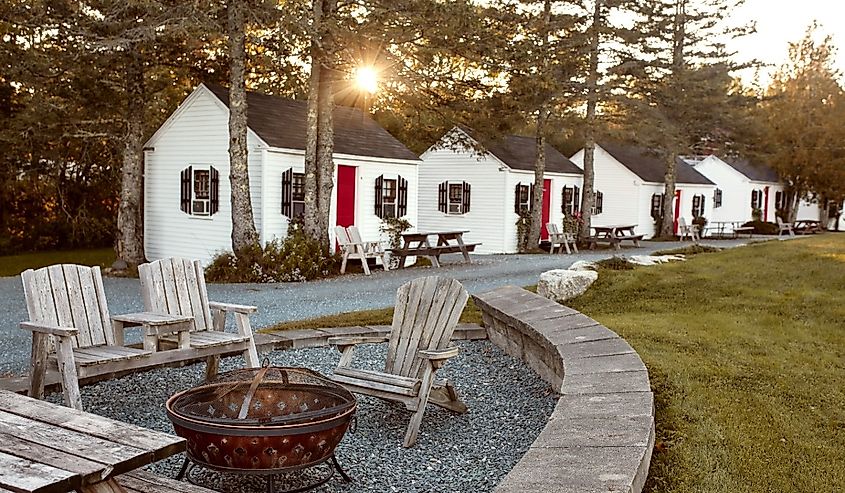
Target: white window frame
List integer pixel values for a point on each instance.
(452, 207)
(392, 205)
(195, 200)
(526, 205)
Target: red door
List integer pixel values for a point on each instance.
(345, 195)
(677, 211)
(547, 206)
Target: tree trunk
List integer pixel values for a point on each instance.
(667, 228)
(244, 234)
(587, 195)
(325, 127)
(130, 222)
(311, 218)
(536, 224)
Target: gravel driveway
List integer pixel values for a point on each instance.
(295, 301)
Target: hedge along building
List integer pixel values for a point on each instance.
(186, 187)
(629, 186)
(479, 187)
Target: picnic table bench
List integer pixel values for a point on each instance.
(418, 244)
(807, 226)
(614, 235)
(46, 448)
(720, 229)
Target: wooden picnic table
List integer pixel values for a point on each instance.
(47, 448)
(807, 226)
(720, 228)
(614, 235)
(447, 242)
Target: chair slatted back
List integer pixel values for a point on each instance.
(70, 295)
(551, 228)
(682, 223)
(354, 235)
(426, 313)
(176, 286)
(342, 236)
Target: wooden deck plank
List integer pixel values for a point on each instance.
(147, 482)
(49, 454)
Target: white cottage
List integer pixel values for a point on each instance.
(187, 203)
(479, 187)
(629, 188)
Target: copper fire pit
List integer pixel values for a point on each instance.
(266, 421)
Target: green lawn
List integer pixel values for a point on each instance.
(11, 265)
(746, 353)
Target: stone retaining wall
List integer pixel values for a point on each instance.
(601, 433)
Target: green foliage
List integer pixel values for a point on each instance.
(298, 258)
(394, 227)
(756, 214)
(762, 227)
(573, 223)
(523, 228)
(689, 250)
(12, 265)
(615, 263)
(700, 221)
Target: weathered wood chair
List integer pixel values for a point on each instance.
(560, 240)
(176, 286)
(68, 316)
(688, 230)
(352, 246)
(424, 318)
(784, 227)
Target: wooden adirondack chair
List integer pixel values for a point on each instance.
(68, 315)
(176, 286)
(560, 240)
(352, 246)
(688, 230)
(426, 313)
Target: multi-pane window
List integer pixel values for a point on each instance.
(571, 200)
(388, 203)
(657, 205)
(524, 198)
(697, 205)
(779, 202)
(756, 199)
(598, 203)
(717, 198)
(200, 202)
(297, 199)
(456, 198)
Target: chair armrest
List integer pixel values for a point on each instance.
(230, 307)
(353, 340)
(49, 329)
(439, 354)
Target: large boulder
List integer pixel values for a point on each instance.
(654, 259)
(583, 265)
(561, 285)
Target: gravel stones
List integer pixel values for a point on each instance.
(509, 406)
(561, 284)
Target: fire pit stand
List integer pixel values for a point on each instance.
(267, 421)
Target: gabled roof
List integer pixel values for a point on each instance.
(753, 171)
(521, 153)
(281, 123)
(650, 167)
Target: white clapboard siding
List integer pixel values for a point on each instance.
(524, 177)
(196, 135)
(620, 189)
(736, 191)
(368, 222)
(488, 210)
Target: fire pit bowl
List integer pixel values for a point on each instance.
(262, 420)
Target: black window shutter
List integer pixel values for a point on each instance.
(466, 197)
(701, 204)
(516, 198)
(442, 196)
(563, 200)
(530, 196)
(215, 190)
(287, 192)
(185, 197)
(576, 199)
(599, 202)
(696, 203)
(402, 207)
(379, 210)
(656, 199)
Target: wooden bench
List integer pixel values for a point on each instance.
(749, 230)
(147, 482)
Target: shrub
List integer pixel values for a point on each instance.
(756, 214)
(763, 228)
(689, 250)
(394, 227)
(701, 222)
(523, 227)
(298, 258)
(615, 263)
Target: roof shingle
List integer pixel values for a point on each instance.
(753, 171)
(281, 123)
(650, 167)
